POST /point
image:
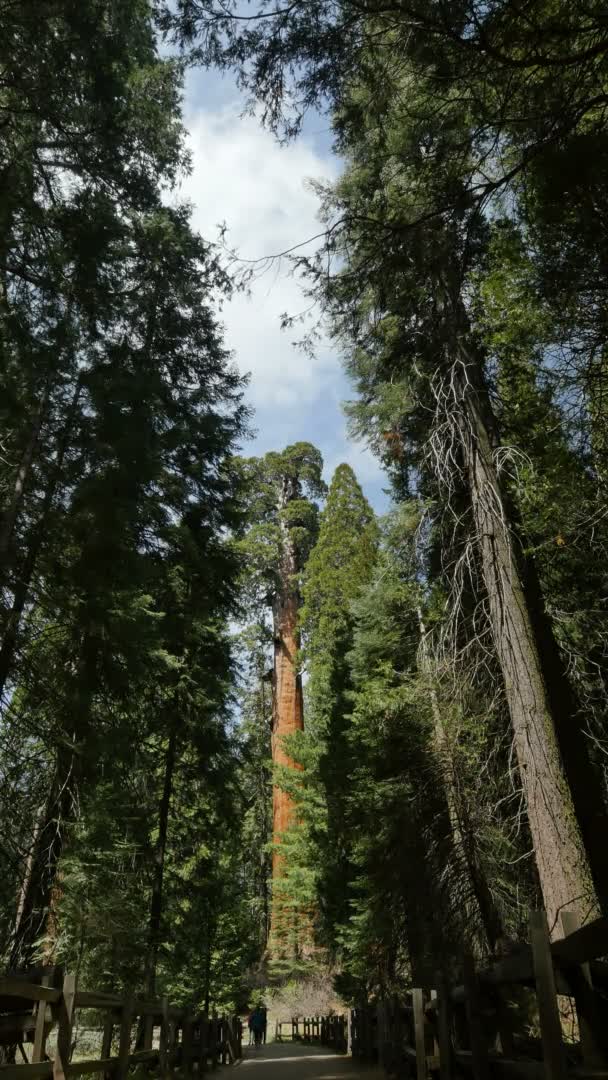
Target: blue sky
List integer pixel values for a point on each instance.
(243, 177)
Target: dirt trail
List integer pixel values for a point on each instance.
(300, 1061)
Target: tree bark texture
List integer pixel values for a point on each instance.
(287, 713)
(561, 858)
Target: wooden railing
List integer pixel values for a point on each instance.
(468, 1029)
(331, 1030)
(153, 1033)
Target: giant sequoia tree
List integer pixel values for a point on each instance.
(283, 517)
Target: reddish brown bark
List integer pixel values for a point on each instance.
(287, 712)
(287, 718)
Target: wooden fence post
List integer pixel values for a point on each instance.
(148, 1033)
(165, 1039)
(435, 998)
(418, 1007)
(204, 1043)
(106, 1040)
(380, 1028)
(368, 1042)
(187, 1039)
(231, 1027)
(64, 1031)
(213, 1041)
(584, 1000)
(175, 1027)
(40, 1028)
(175, 1024)
(444, 1032)
(479, 1049)
(124, 1047)
(554, 1056)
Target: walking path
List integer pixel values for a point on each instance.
(302, 1061)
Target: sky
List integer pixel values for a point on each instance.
(243, 177)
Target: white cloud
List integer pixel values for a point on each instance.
(242, 176)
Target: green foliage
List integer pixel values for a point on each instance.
(281, 518)
(464, 260)
(121, 412)
(338, 568)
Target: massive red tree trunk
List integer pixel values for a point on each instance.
(287, 712)
(288, 483)
(287, 718)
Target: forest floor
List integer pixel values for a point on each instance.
(298, 1061)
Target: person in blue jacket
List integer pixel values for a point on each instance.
(257, 1023)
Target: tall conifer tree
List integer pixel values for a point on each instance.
(340, 566)
(283, 516)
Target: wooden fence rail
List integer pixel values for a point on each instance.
(131, 1026)
(468, 1029)
(330, 1030)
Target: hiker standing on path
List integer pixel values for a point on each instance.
(257, 1022)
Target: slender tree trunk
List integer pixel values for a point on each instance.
(37, 899)
(41, 815)
(463, 837)
(13, 620)
(34, 900)
(561, 859)
(52, 925)
(207, 982)
(156, 900)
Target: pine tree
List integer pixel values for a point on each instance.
(121, 412)
(339, 567)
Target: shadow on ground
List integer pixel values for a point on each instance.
(302, 1061)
